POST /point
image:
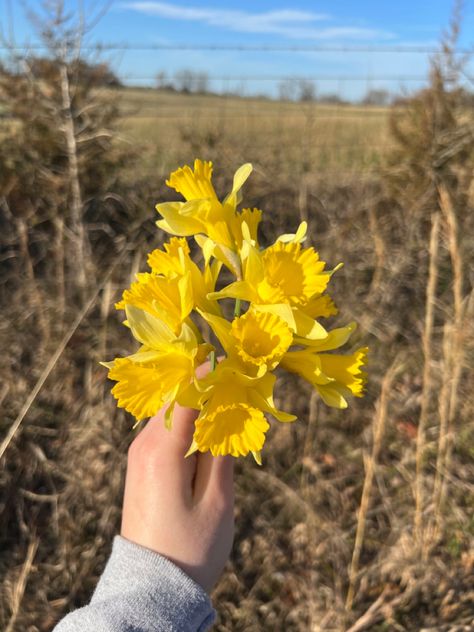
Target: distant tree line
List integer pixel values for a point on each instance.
(186, 81)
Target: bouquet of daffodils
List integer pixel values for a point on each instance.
(279, 296)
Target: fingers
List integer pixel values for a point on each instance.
(161, 451)
(202, 476)
(214, 479)
(174, 441)
(222, 477)
(179, 438)
(164, 450)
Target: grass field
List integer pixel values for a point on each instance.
(296, 137)
(358, 519)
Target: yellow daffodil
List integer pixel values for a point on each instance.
(287, 280)
(174, 287)
(170, 299)
(257, 339)
(203, 214)
(234, 428)
(250, 218)
(162, 368)
(334, 376)
(175, 261)
(232, 408)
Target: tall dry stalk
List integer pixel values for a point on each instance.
(33, 293)
(309, 440)
(18, 590)
(77, 206)
(105, 303)
(443, 404)
(379, 248)
(59, 261)
(457, 356)
(370, 462)
(67, 125)
(427, 382)
(303, 199)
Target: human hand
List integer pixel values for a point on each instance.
(182, 508)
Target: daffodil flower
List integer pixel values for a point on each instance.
(257, 340)
(287, 280)
(334, 376)
(203, 215)
(170, 299)
(232, 406)
(175, 261)
(162, 368)
(174, 287)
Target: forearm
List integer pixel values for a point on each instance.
(141, 591)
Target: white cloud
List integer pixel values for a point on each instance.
(290, 23)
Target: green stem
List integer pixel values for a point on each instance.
(212, 359)
(237, 308)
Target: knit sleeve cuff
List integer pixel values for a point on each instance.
(155, 589)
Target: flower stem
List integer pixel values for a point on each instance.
(237, 308)
(212, 359)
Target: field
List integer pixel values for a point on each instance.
(358, 519)
(330, 139)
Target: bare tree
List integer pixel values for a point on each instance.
(201, 83)
(55, 101)
(162, 81)
(377, 96)
(306, 90)
(189, 81)
(287, 89)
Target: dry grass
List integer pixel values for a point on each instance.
(297, 137)
(324, 538)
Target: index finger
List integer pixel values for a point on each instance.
(176, 439)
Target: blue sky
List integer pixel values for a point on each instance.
(381, 25)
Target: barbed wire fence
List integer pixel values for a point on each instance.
(317, 112)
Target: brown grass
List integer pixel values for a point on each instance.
(324, 534)
(427, 344)
(292, 137)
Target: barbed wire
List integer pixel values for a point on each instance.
(198, 79)
(246, 48)
(220, 114)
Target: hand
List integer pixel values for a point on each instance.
(182, 508)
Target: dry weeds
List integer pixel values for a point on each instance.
(325, 536)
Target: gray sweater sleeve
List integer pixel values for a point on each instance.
(142, 591)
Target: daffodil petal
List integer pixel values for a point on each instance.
(240, 177)
(254, 270)
(346, 370)
(148, 329)
(320, 307)
(193, 184)
(283, 310)
(331, 396)
(335, 339)
(175, 222)
(307, 327)
(238, 289)
(297, 237)
(192, 449)
(222, 328)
